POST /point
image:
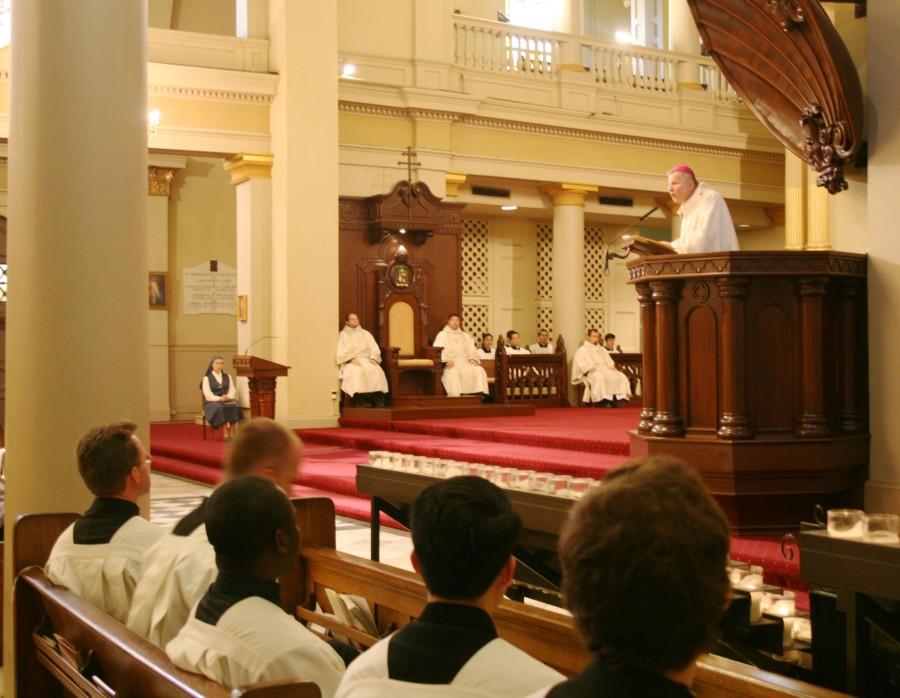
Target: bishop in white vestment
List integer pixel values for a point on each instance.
(462, 374)
(706, 224)
(593, 367)
(359, 361)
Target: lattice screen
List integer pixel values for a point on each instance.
(475, 320)
(593, 263)
(593, 317)
(545, 319)
(475, 257)
(544, 260)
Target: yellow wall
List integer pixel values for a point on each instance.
(202, 227)
(206, 16)
(385, 30)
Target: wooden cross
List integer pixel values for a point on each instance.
(410, 154)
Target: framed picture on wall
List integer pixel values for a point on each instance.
(159, 290)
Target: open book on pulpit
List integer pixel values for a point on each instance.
(646, 247)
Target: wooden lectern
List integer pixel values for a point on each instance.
(755, 373)
(262, 374)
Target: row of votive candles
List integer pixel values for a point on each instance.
(782, 605)
(854, 523)
(508, 478)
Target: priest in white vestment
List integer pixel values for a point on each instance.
(463, 530)
(99, 556)
(514, 344)
(238, 634)
(180, 567)
(593, 367)
(359, 360)
(462, 374)
(706, 224)
(543, 345)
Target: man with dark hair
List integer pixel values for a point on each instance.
(359, 364)
(593, 367)
(543, 345)
(463, 373)
(643, 561)
(514, 343)
(99, 556)
(609, 343)
(486, 350)
(238, 633)
(179, 568)
(463, 530)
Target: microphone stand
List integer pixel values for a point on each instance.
(625, 255)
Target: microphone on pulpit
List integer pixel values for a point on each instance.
(253, 344)
(615, 255)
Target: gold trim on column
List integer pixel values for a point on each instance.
(690, 86)
(246, 166)
(572, 67)
(454, 182)
(565, 194)
(159, 180)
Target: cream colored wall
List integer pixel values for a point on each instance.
(603, 18)
(383, 29)
(511, 254)
(205, 16)
(765, 239)
(485, 9)
(202, 227)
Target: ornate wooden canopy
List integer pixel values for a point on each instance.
(791, 67)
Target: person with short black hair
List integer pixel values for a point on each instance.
(463, 373)
(463, 531)
(99, 556)
(359, 364)
(514, 344)
(238, 633)
(643, 559)
(543, 345)
(609, 343)
(179, 568)
(486, 350)
(594, 368)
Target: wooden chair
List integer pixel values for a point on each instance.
(203, 416)
(410, 364)
(538, 379)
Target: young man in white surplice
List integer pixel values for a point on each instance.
(463, 374)
(594, 367)
(359, 359)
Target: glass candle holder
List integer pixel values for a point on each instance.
(578, 487)
(846, 523)
(559, 485)
(883, 528)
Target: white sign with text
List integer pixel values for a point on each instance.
(209, 288)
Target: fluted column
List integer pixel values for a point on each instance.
(818, 235)
(76, 337)
(648, 350)
(813, 421)
(795, 175)
(684, 38)
(734, 420)
(667, 420)
(568, 260)
(852, 309)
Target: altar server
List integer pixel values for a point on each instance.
(179, 568)
(486, 350)
(643, 560)
(706, 224)
(238, 633)
(359, 361)
(593, 367)
(543, 345)
(463, 530)
(99, 556)
(514, 344)
(462, 374)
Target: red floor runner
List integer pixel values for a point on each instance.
(574, 441)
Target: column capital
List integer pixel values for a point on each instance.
(454, 181)
(565, 194)
(246, 166)
(159, 180)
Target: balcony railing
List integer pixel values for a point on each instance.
(497, 47)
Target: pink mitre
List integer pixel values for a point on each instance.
(683, 168)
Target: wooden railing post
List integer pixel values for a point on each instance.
(734, 422)
(813, 422)
(648, 349)
(667, 421)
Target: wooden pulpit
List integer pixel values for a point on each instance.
(755, 374)
(262, 374)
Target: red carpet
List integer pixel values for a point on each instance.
(576, 441)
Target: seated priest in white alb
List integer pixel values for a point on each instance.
(99, 556)
(706, 224)
(593, 367)
(179, 568)
(543, 345)
(462, 374)
(463, 530)
(359, 359)
(514, 344)
(238, 634)
(486, 350)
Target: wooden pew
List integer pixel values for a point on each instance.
(538, 379)
(397, 596)
(124, 662)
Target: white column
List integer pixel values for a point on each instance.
(251, 175)
(684, 38)
(568, 261)
(883, 488)
(795, 176)
(77, 327)
(818, 221)
(252, 19)
(304, 126)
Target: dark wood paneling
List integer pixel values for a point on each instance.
(701, 407)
